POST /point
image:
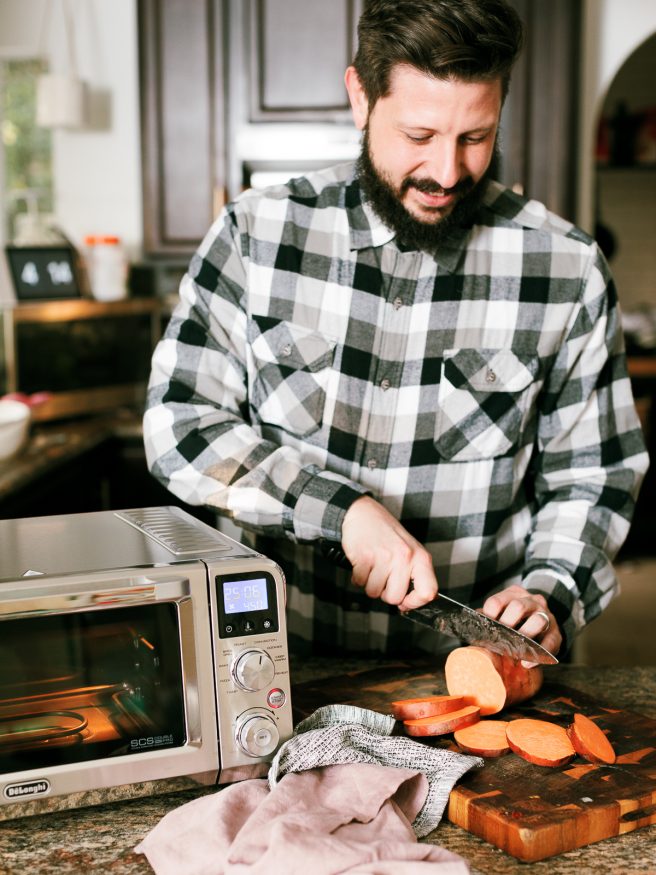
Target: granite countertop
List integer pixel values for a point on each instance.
(54, 443)
(102, 838)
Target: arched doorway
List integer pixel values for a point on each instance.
(625, 228)
(625, 163)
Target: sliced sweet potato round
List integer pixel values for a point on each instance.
(540, 742)
(426, 706)
(487, 738)
(589, 741)
(443, 723)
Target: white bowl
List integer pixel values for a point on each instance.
(14, 426)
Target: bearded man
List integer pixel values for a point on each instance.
(405, 358)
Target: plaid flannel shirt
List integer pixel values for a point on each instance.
(481, 395)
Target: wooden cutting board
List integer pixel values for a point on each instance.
(531, 812)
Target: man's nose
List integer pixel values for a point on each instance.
(443, 162)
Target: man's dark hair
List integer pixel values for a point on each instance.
(470, 40)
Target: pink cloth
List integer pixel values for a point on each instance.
(353, 818)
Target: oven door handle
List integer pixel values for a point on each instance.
(63, 596)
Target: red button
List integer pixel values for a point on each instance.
(276, 698)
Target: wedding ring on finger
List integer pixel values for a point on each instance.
(545, 616)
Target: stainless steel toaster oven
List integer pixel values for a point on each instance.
(141, 651)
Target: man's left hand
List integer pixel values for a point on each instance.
(528, 613)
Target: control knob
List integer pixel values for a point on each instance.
(253, 670)
(257, 734)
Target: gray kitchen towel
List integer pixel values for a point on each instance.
(339, 734)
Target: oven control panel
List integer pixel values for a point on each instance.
(248, 604)
(252, 663)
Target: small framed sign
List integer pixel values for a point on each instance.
(44, 272)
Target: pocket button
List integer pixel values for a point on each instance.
(490, 376)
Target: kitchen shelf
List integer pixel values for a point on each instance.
(76, 308)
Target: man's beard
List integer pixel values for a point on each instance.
(411, 232)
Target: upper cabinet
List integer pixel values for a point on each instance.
(298, 51)
(232, 85)
(182, 131)
(214, 68)
(539, 125)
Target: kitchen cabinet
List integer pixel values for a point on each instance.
(213, 69)
(181, 66)
(539, 123)
(209, 67)
(297, 53)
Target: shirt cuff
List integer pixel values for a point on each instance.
(563, 601)
(319, 501)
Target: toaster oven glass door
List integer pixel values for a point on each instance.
(90, 685)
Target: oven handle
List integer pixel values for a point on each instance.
(52, 598)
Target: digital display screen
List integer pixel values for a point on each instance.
(41, 272)
(241, 596)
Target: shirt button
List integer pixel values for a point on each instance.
(397, 303)
(490, 376)
(286, 350)
(372, 463)
(385, 384)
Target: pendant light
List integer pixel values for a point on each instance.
(61, 97)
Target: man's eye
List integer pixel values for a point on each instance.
(423, 139)
(472, 141)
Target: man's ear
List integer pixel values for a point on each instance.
(357, 97)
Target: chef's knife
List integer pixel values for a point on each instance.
(452, 618)
(448, 616)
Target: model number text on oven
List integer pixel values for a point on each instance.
(150, 741)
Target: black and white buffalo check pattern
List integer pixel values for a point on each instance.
(481, 395)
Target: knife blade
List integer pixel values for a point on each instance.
(452, 618)
(456, 620)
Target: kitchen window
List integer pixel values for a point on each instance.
(26, 184)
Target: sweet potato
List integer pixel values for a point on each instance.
(540, 742)
(491, 681)
(589, 741)
(426, 706)
(443, 723)
(487, 738)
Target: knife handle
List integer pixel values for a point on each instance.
(333, 551)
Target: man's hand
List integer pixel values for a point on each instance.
(528, 613)
(387, 561)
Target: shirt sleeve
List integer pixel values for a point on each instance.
(589, 464)
(199, 440)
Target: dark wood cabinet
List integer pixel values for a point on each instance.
(539, 123)
(211, 69)
(298, 51)
(181, 58)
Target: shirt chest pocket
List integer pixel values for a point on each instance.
(484, 400)
(291, 370)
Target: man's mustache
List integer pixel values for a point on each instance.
(430, 186)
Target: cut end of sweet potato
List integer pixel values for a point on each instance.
(491, 681)
(589, 741)
(426, 706)
(443, 723)
(540, 742)
(486, 738)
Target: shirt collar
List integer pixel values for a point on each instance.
(368, 230)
